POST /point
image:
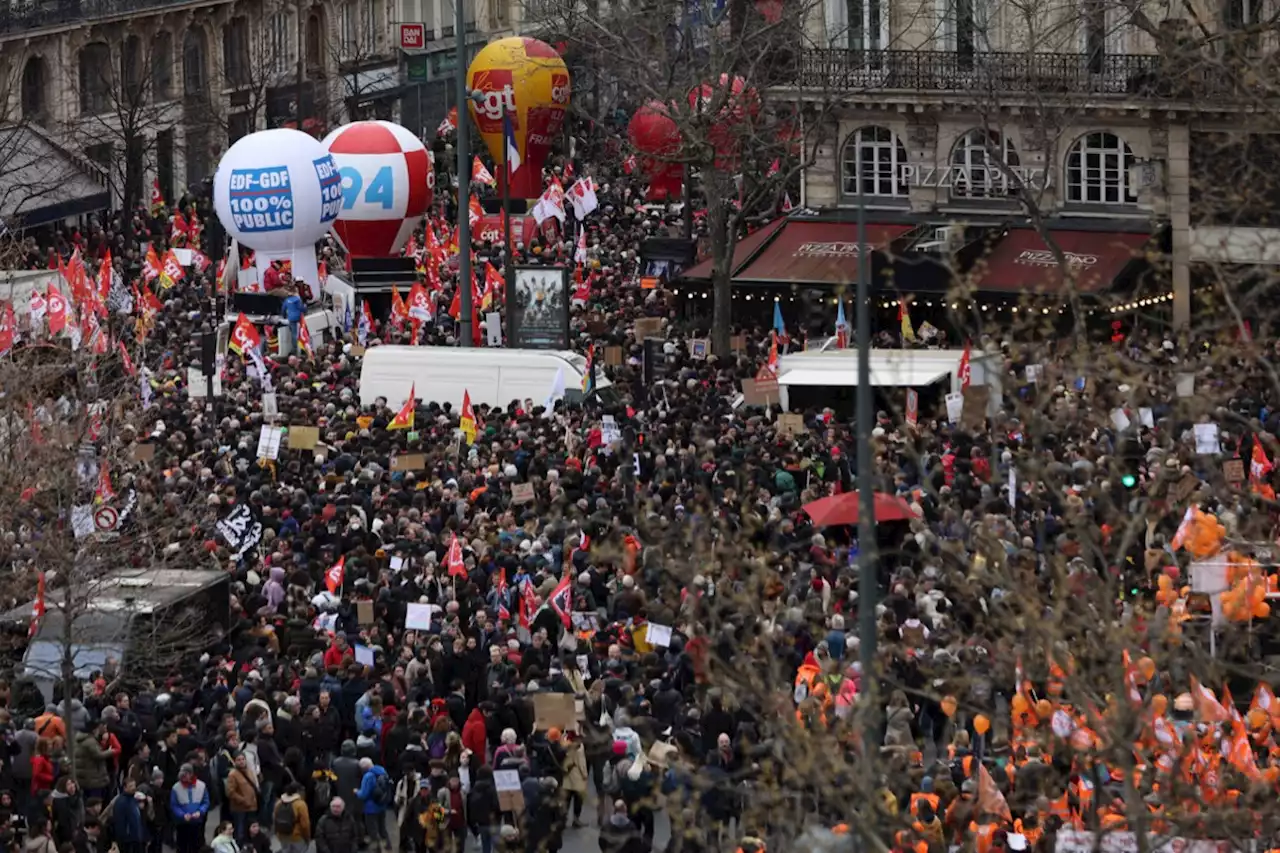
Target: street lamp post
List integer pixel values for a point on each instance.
(464, 176)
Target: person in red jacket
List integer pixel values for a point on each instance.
(473, 737)
(336, 653)
(41, 769)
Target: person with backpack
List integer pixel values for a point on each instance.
(291, 821)
(378, 793)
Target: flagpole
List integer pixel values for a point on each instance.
(509, 261)
(464, 175)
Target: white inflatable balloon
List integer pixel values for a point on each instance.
(277, 190)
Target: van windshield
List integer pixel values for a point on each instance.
(608, 395)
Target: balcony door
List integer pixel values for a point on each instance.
(860, 25)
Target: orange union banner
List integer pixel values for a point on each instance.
(527, 81)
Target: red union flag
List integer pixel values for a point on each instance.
(333, 577)
(244, 336)
(57, 311)
(453, 560)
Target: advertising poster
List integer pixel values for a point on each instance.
(542, 308)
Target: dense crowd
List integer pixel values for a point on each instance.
(284, 735)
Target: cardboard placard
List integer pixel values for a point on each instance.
(144, 452)
(754, 395)
(596, 324)
(364, 612)
(613, 356)
(554, 710)
(522, 493)
(357, 351)
(1233, 470)
(510, 794)
(648, 327)
(974, 414)
(737, 343)
(303, 437)
(648, 282)
(1185, 487)
(409, 462)
(791, 424)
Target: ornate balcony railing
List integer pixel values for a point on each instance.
(998, 73)
(21, 15)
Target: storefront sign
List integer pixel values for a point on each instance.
(828, 250)
(1046, 258)
(946, 177)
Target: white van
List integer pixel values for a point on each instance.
(493, 376)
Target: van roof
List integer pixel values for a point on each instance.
(498, 356)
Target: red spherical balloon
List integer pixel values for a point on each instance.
(657, 138)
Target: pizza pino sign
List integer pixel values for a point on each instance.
(1044, 258)
(834, 249)
(967, 177)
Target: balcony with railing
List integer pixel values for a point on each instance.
(18, 16)
(1140, 76)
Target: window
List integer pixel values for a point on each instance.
(239, 125)
(95, 78)
(162, 66)
(235, 51)
(372, 27)
(498, 14)
(1098, 170)
(872, 160)
(964, 27)
(197, 151)
(282, 29)
(857, 24)
(315, 44)
(349, 32)
(33, 88)
(195, 78)
(131, 70)
(976, 170)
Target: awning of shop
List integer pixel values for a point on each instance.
(1023, 262)
(40, 182)
(819, 253)
(743, 251)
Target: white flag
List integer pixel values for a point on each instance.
(557, 393)
(550, 204)
(583, 197)
(580, 253)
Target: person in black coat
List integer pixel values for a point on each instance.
(288, 725)
(483, 811)
(619, 834)
(347, 768)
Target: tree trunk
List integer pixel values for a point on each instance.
(722, 269)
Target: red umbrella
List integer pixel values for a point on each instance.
(843, 509)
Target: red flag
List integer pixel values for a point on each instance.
(125, 360)
(528, 604)
(57, 310)
(37, 609)
(244, 336)
(404, 417)
(419, 307)
(104, 279)
(304, 338)
(561, 600)
(104, 491)
(964, 371)
(157, 197)
(500, 590)
(8, 326)
(399, 311)
(453, 560)
(333, 577)
(151, 267)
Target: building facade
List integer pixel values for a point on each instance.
(961, 111)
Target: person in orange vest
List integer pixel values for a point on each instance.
(926, 825)
(983, 832)
(810, 671)
(924, 795)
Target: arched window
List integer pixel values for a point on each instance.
(34, 80)
(162, 66)
(872, 161)
(195, 77)
(95, 77)
(1098, 170)
(315, 43)
(131, 73)
(979, 164)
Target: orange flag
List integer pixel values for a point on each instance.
(990, 800)
(404, 417)
(1207, 705)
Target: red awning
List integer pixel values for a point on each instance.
(1021, 261)
(823, 253)
(743, 251)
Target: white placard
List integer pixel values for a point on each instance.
(184, 256)
(269, 442)
(584, 667)
(1207, 439)
(364, 655)
(506, 780)
(196, 386)
(1146, 418)
(1034, 372)
(397, 563)
(955, 405)
(1186, 385)
(417, 617)
(493, 329)
(270, 407)
(658, 635)
(1013, 488)
(610, 432)
(1120, 419)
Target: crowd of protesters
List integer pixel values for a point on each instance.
(286, 738)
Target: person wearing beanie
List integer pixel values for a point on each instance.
(189, 808)
(346, 767)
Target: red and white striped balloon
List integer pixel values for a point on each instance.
(388, 178)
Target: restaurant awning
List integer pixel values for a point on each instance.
(816, 253)
(743, 251)
(1022, 262)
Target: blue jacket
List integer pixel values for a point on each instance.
(127, 825)
(366, 790)
(184, 800)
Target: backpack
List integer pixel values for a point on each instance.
(384, 791)
(282, 819)
(323, 791)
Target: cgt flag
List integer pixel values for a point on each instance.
(404, 417)
(334, 576)
(453, 560)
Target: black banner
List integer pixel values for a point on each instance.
(241, 529)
